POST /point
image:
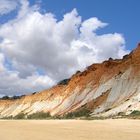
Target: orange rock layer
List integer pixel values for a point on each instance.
(105, 89)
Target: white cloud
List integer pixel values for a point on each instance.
(35, 41)
(7, 6)
(12, 84)
(2, 68)
(91, 25)
(25, 8)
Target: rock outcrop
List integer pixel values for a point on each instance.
(105, 89)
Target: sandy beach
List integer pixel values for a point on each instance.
(70, 130)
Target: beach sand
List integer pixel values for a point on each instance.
(121, 129)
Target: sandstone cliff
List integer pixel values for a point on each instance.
(105, 89)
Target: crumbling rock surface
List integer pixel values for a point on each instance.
(105, 89)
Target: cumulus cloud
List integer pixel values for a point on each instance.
(2, 68)
(7, 6)
(35, 42)
(11, 84)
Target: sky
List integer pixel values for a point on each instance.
(45, 41)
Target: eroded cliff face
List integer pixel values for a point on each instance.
(105, 89)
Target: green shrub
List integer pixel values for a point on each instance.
(79, 113)
(121, 114)
(7, 118)
(34, 93)
(39, 115)
(64, 82)
(11, 98)
(5, 98)
(57, 117)
(108, 109)
(135, 113)
(19, 116)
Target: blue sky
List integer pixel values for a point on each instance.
(122, 15)
(45, 41)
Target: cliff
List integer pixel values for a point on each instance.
(104, 89)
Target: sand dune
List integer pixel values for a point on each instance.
(70, 130)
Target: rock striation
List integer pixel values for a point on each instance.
(105, 89)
